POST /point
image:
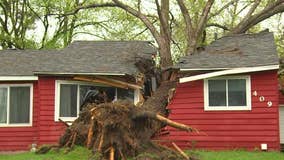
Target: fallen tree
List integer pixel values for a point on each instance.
(120, 129)
(117, 130)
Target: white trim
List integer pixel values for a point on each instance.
(57, 99)
(18, 78)
(228, 72)
(201, 69)
(8, 105)
(78, 73)
(78, 99)
(78, 83)
(228, 108)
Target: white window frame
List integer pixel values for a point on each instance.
(78, 83)
(228, 108)
(8, 86)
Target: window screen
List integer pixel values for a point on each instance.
(3, 105)
(237, 92)
(19, 105)
(68, 100)
(227, 92)
(217, 92)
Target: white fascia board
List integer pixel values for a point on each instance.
(201, 69)
(74, 73)
(18, 78)
(228, 72)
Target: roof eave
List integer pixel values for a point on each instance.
(79, 73)
(18, 78)
(201, 69)
(228, 72)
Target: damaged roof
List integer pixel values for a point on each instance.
(244, 50)
(80, 57)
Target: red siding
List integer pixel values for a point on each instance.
(49, 130)
(21, 138)
(44, 129)
(227, 129)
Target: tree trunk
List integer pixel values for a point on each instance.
(165, 54)
(165, 44)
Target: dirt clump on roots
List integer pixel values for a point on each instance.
(116, 129)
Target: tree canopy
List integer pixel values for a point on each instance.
(177, 27)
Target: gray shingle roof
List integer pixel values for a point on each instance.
(246, 50)
(80, 57)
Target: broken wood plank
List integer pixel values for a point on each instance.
(90, 133)
(180, 151)
(129, 85)
(101, 141)
(111, 154)
(175, 124)
(65, 123)
(92, 80)
(165, 120)
(108, 81)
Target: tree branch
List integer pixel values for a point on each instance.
(188, 26)
(141, 32)
(270, 10)
(251, 10)
(88, 24)
(186, 16)
(94, 5)
(142, 17)
(217, 25)
(203, 19)
(223, 8)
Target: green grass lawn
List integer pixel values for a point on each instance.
(79, 153)
(239, 155)
(83, 154)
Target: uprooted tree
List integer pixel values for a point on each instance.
(120, 129)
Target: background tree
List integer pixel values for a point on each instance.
(197, 16)
(178, 27)
(16, 19)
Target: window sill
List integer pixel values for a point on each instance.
(16, 125)
(233, 108)
(66, 119)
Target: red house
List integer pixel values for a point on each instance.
(37, 88)
(229, 91)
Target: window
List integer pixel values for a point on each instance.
(70, 95)
(16, 105)
(227, 93)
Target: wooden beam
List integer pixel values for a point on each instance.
(129, 85)
(111, 154)
(108, 81)
(86, 79)
(180, 151)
